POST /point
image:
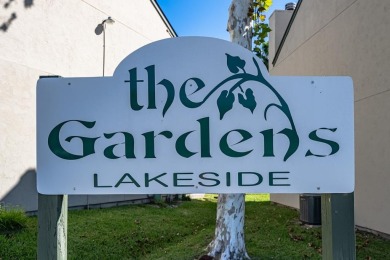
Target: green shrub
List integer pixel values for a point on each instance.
(186, 197)
(12, 218)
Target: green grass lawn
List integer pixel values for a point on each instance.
(183, 232)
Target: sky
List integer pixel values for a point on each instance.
(204, 17)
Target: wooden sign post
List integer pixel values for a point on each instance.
(338, 226)
(52, 227)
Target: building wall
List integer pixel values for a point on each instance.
(279, 19)
(350, 37)
(57, 38)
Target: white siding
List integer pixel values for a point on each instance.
(56, 38)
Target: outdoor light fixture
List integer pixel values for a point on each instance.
(109, 20)
(101, 28)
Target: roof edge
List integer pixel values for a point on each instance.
(171, 31)
(275, 59)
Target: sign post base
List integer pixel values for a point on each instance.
(52, 226)
(338, 226)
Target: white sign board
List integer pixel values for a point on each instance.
(194, 115)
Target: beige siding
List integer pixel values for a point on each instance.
(279, 19)
(351, 37)
(56, 38)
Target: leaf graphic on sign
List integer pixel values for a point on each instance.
(246, 98)
(248, 101)
(225, 102)
(234, 63)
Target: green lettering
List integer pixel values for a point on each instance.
(203, 177)
(176, 179)
(170, 94)
(149, 142)
(268, 143)
(131, 180)
(147, 180)
(134, 90)
(272, 178)
(151, 87)
(241, 182)
(183, 95)
(181, 148)
(294, 142)
(204, 137)
(95, 182)
(129, 146)
(227, 150)
(228, 179)
(333, 145)
(56, 147)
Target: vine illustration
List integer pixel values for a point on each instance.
(246, 98)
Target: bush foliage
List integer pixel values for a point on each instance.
(11, 218)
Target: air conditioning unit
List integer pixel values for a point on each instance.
(310, 209)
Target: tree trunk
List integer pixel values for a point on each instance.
(239, 23)
(229, 242)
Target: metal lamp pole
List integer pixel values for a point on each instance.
(109, 20)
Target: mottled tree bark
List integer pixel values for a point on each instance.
(239, 23)
(229, 242)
